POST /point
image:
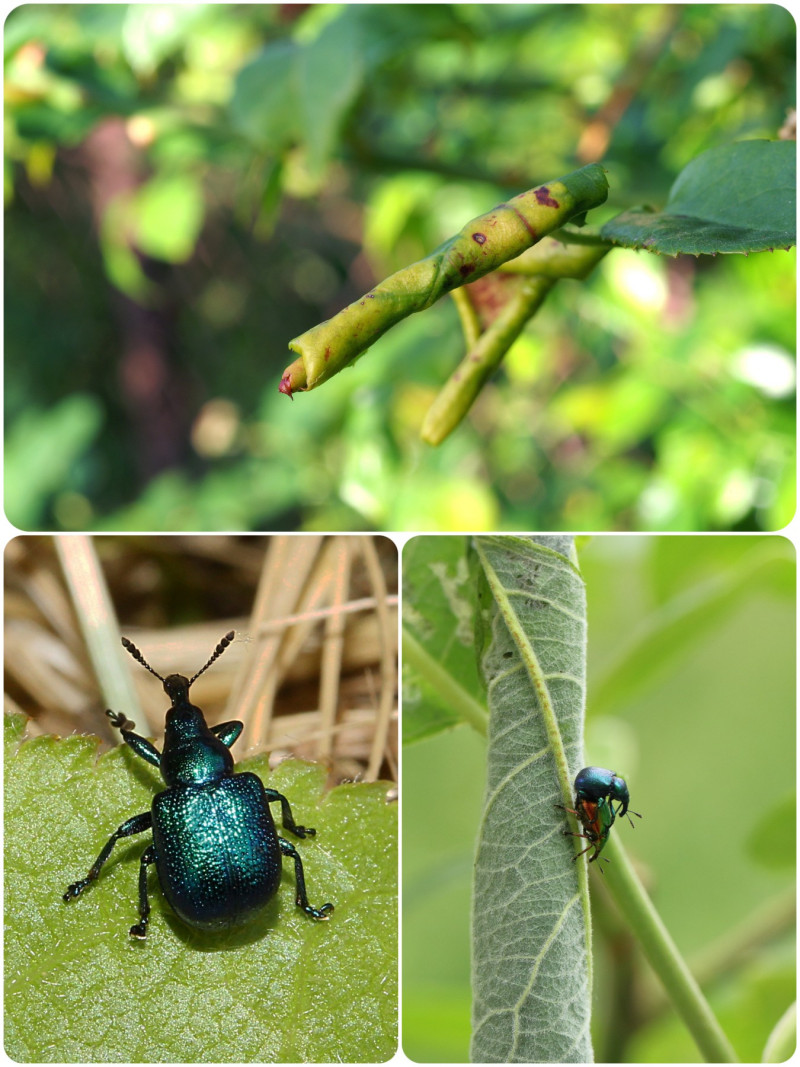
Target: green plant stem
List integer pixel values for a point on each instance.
(470, 322)
(564, 255)
(445, 684)
(464, 384)
(663, 956)
(775, 918)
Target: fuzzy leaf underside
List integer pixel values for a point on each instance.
(531, 965)
(733, 198)
(286, 989)
(481, 246)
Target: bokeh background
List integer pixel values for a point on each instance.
(312, 671)
(188, 187)
(691, 696)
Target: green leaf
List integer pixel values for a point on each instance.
(42, 451)
(300, 92)
(151, 32)
(441, 687)
(531, 924)
(330, 74)
(733, 198)
(265, 104)
(286, 989)
(168, 213)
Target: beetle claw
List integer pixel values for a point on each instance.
(321, 913)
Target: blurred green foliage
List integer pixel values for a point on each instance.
(189, 187)
(691, 694)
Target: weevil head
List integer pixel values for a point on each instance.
(619, 791)
(176, 686)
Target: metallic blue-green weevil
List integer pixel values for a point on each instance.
(215, 846)
(594, 783)
(595, 790)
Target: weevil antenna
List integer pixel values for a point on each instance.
(134, 651)
(226, 640)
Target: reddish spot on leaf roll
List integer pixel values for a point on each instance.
(479, 238)
(327, 353)
(543, 197)
(465, 269)
(524, 221)
(286, 386)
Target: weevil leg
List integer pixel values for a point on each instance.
(569, 833)
(140, 745)
(227, 732)
(301, 900)
(139, 931)
(136, 825)
(286, 815)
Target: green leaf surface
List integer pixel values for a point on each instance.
(734, 198)
(151, 32)
(531, 925)
(285, 989)
(168, 213)
(43, 450)
(330, 73)
(299, 92)
(264, 105)
(442, 680)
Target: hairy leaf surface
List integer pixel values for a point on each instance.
(440, 674)
(531, 960)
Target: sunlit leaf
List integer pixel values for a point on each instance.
(734, 198)
(286, 989)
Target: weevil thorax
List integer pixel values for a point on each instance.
(192, 754)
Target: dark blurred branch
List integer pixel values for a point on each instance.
(597, 134)
(150, 386)
(369, 156)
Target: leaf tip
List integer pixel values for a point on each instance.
(294, 379)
